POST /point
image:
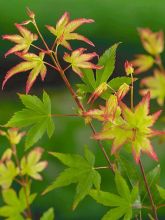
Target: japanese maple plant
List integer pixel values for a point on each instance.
(126, 127)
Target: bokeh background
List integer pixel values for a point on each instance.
(115, 20)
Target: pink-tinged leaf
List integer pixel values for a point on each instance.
(153, 42)
(31, 78)
(32, 62)
(43, 72)
(122, 91)
(136, 155)
(142, 63)
(78, 59)
(77, 71)
(144, 105)
(66, 44)
(74, 36)
(156, 133)
(74, 24)
(64, 30)
(149, 150)
(22, 42)
(28, 56)
(24, 31)
(13, 38)
(22, 67)
(156, 115)
(87, 56)
(126, 112)
(111, 108)
(17, 47)
(122, 137)
(95, 113)
(63, 21)
(98, 91)
(51, 29)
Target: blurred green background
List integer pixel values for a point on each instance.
(115, 20)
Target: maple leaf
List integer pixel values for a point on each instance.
(80, 170)
(132, 127)
(31, 165)
(22, 42)
(156, 85)
(122, 204)
(142, 63)
(36, 114)
(64, 30)
(78, 59)
(153, 42)
(15, 205)
(32, 62)
(8, 171)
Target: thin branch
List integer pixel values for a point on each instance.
(39, 33)
(160, 206)
(67, 67)
(54, 67)
(148, 190)
(54, 44)
(38, 48)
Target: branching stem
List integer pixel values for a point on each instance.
(74, 96)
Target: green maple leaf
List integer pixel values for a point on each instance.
(22, 42)
(8, 171)
(36, 114)
(107, 60)
(81, 171)
(15, 205)
(122, 204)
(133, 127)
(161, 191)
(48, 215)
(32, 62)
(156, 85)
